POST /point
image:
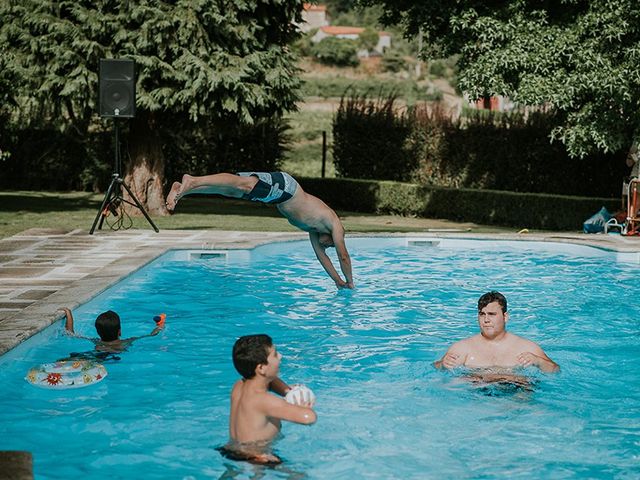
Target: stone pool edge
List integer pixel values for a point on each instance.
(130, 250)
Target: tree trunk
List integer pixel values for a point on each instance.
(144, 171)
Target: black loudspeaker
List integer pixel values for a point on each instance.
(117, 86)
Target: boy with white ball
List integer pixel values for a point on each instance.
(256, 415)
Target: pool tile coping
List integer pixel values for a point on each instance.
(44, 269)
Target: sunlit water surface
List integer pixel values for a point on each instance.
(383, 410)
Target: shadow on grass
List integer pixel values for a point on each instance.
(45, 202)
(48, 202)
(215, 205)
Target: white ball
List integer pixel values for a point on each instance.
(299, 394)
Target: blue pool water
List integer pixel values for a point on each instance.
(383, 410)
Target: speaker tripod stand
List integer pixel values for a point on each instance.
(114, 199)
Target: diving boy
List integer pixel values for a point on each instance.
(303, 210)
(255, 417)
(108, 328)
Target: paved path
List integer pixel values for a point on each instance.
(43, 269)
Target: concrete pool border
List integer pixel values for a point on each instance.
(44, 269)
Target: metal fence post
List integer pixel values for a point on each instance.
(324, 151)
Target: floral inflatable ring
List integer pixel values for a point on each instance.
(66, 374)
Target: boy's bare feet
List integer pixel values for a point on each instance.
(178, 189)
(172, 198)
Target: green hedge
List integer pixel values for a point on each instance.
(336, 51)
(47, 159)
(489, 207)
(482, 150)
(358, 154)
(218, 147)
(507, 151)
(336, 87)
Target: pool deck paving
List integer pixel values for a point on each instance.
(42, 270)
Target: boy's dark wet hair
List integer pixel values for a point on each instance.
(249, 352)
(108, 326)
(491, 297)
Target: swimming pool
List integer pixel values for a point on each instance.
(384, 412)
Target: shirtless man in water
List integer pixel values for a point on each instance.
(256, 415)
(302, 209)
(494, 346)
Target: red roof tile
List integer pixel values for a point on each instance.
(335, 30)
(314, 8)
(331, 30)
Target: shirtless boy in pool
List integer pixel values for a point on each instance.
(302, 209)
(256, 415)
(108, 328)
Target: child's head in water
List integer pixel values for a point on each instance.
(108, 326)
(252, 351)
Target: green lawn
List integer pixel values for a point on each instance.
(21, 211)
(304, 157)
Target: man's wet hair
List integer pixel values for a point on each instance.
(249, 352)
(491, 297)
(108, 326)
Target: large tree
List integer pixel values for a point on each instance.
(578, 57)
(195, 58)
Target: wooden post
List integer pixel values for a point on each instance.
(324, 151)
(16, 465)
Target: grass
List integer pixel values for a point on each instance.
(304, 158)
(309, 124)
(21, 211)
(335, 87)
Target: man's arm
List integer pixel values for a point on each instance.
(455, 357)
(325, 261)
(337, 233)
(538, 359)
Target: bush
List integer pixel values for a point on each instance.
(489, 207)
(303, 46)
(45, 159)
(368, 39)
(393, 61)
(7, 102)
(369, 139)
(507, 151)
(438, 69)
(212, 146)
(484, 150)
(337, 87)
(99, 162)
(336, 51)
